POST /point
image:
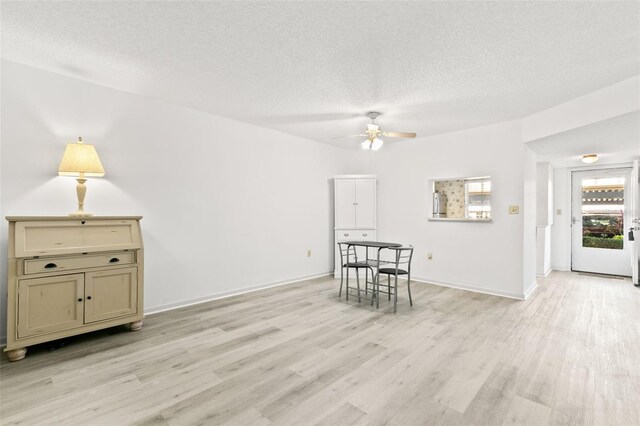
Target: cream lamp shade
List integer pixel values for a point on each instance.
(80, 160)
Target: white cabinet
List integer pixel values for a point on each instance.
(355, 211)
(355, 202)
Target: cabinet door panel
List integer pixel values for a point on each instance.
(365, 203)
(47, 305)
(111, 294)
(345, 203)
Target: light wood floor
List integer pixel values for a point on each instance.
(298, 355)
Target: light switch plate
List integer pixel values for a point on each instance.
(559, 212)
(514, 209)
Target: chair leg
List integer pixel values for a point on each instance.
(395, 295)
(389, 286)
(358, 281)
(409, 288)
(341, 279)
(366, 281)
(377, 281)
(346, 290)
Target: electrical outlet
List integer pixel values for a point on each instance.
(514, 209)
(559, 212)
(308, 253)
(429, 256)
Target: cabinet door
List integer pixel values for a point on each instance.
(365, 203)
(111, 294)
(47, 305)
(345, 207)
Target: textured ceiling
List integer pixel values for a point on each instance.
(314, 69)
(616, 140)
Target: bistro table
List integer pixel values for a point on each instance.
(374, 262)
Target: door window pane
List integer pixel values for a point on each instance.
(603, 213)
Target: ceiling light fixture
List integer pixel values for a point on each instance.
(589, 158)
(373, 142)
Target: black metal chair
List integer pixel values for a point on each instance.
(349, 260)
(403, 256)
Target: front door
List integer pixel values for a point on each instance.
(600, 212)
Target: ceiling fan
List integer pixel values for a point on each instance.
(373, 133)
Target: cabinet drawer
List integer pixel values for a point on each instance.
(355, 235)
(37, 266)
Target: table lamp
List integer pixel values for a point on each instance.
(80, 160)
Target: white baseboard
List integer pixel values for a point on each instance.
(546, 273)
(528, 292)
(189, 302)
(475, 289)
(561, 268)
(215, 296)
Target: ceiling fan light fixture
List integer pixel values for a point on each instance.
(366, 144)
(589, 158)
(376, 144)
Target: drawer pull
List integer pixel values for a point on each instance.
(364, 235)
(79, 299)
(114, 260)
(88, 297)
(50, 266)
(346, 235)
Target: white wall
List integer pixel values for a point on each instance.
(561, 228)
(485, 257)
(544, 213)
(529, 220)
(226, 205)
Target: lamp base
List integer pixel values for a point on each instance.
(81, 191)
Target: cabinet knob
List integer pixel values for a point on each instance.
(114, 260)
(80, 299)
(50, 266)
(88, 297)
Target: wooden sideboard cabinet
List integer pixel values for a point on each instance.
(70, 275)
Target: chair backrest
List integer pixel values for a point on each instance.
(403, 257)
(347, 251)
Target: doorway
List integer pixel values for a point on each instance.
(600, 208)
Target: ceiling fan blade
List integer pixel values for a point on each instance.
(364, 135)
(399, 134)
